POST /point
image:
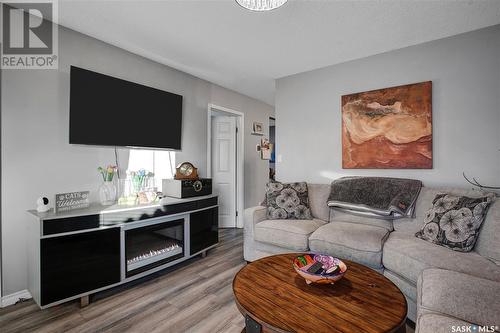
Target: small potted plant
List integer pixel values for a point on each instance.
(107, 190)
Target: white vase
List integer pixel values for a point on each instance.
(107, 193)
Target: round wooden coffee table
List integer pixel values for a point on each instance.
(274, 298)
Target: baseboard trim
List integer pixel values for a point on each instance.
(13, 298)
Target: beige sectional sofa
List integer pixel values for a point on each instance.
(389, 247)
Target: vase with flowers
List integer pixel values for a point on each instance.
(107, 190)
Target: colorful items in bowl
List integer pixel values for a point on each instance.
(318, 268)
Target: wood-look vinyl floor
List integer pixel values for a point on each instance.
(195, 297)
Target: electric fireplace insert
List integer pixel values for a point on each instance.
(153, 245)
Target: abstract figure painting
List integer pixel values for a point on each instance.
(388, 128)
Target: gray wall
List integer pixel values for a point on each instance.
(255, 168)
(465, 71)
(38, 160)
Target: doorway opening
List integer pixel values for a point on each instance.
(225, 157)
(272, 145)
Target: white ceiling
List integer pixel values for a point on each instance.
(246, 51)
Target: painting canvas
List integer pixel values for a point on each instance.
(388, 128)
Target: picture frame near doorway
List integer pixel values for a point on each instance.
(225, 162)
(257, 128)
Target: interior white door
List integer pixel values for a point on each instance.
(224, 168)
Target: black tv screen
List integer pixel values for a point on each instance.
(108, 111)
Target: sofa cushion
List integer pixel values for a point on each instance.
(424, 202)
(408, 256)
(408, 288)
(358, 242)
(437, 323)
(287, 201)
(290, 234)
(458, 295)
(341, 216)
(488, 242)
(454, 221)
(318, 195)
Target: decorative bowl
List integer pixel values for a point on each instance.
(336, 267)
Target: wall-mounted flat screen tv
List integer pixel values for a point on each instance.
(108, 111)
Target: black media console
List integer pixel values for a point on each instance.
(77, 253)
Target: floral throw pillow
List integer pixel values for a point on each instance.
(454, 222)
(287, 201)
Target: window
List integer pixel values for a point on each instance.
(160, 162)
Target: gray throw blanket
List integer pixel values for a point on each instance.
(379, 197)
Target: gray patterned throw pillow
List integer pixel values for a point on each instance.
(287, 201)
(454, 222)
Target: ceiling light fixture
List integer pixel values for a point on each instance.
(261, 5)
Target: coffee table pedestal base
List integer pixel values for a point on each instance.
(251, 326)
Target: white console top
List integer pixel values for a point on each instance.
(96, 208)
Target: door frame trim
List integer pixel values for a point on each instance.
(240, 148)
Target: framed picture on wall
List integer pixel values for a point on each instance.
(389, 128)
(258, 128)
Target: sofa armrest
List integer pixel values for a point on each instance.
(469, 298)
(253, 215)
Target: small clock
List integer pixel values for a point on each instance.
(186, 170)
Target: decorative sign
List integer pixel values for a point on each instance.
(73, 200)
